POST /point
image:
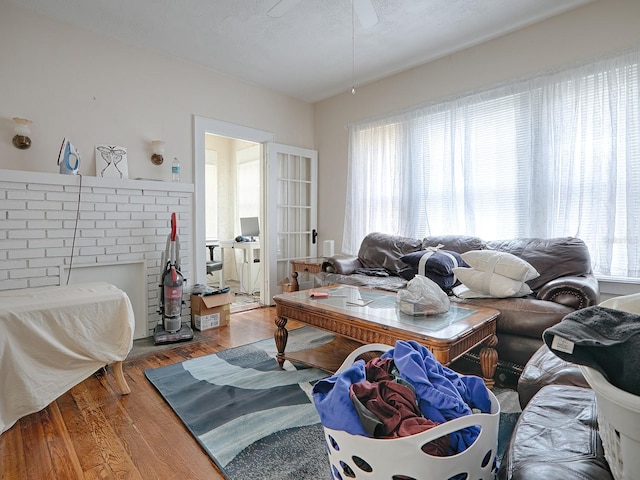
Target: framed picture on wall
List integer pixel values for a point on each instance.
(111, 161)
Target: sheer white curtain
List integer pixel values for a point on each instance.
(555, 155)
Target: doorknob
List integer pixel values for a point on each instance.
(314, 235)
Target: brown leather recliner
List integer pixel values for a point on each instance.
(566, 282)
(556, 438)
(546, 368)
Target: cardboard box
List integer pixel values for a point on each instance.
(286, 286)
(199, 305)
(211, 310)
(217, 317)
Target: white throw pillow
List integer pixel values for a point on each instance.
(462, 291)
(501, 263)
(488, 284)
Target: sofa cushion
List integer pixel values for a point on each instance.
(556, 438)
(436, 265)
(520, 324)
(552, 257)
(522, 316)
(456, 243)
(381, 250)
(546, 368)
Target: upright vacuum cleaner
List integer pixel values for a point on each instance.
(170, 328)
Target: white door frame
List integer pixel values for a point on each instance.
(201, 126)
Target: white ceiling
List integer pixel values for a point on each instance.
(307, 52)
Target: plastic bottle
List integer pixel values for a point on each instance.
(175, 170)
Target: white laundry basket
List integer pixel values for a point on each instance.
(359, 457)
(618, 411)
(618, 424)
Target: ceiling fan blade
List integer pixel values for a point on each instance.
(282, 7)
(366, 13)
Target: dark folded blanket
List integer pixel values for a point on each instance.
(372, 272)
(605, 339)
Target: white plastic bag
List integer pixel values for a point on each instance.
(423, 297)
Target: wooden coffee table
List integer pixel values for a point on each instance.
(359, 315)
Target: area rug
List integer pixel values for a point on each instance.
(252, 418)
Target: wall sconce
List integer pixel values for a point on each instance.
(21, 139)
(158, 150)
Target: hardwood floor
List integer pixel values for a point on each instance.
(93, 432)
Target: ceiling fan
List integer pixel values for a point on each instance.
(363, 9)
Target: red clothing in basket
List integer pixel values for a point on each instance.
(388, 406)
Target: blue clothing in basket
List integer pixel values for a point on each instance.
(333, 402)
(442, 393)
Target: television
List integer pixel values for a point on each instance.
(249, 227)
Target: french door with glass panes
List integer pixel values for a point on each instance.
(290, 209)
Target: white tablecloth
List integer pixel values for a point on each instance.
(52, 338)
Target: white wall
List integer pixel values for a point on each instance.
(93, 89)
(596, 29)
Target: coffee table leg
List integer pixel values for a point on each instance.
(280, 336)
(489, 361)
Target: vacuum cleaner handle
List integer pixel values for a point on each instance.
(173, 227)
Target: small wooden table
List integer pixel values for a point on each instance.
(309, 265)
(448, 336)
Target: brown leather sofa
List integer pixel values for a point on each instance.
(566, 282)
(556, 438)
(553, 393)
(557, 434)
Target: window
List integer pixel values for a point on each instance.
(211, 193)
(248, 182)
(555, 155)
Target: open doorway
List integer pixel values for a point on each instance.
(288, 198)
(232, 211)
(246, 141)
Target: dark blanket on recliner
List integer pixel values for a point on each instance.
(602, 338)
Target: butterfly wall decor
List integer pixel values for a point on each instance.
(111, 161)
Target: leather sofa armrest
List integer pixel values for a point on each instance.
(341, 264)
(573, 291)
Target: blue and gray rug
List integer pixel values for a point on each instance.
(254, 419)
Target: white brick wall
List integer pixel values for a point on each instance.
(119, 221)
